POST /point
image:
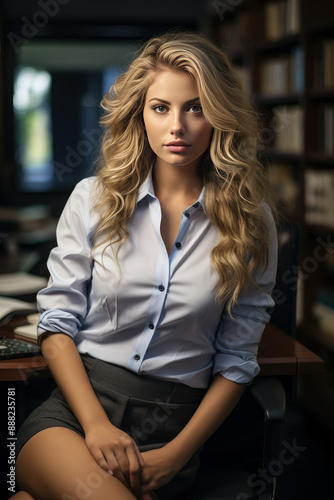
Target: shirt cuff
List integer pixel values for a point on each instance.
(58, 321)
(236, 369)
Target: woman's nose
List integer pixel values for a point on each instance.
(177, 125)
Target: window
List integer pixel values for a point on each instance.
(58, 86)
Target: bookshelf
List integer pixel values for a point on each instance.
(284, 52)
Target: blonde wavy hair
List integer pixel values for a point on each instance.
(236, 185)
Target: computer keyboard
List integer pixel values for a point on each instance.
(14, 348)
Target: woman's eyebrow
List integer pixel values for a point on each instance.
(195, 99)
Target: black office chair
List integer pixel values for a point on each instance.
(242, 461)
(239, 462)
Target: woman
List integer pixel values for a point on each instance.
(160, 284)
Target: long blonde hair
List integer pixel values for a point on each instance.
(236, 186)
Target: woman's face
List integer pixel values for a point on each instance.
(176, 127)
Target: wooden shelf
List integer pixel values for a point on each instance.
(275, 155)
(274, 100)
(322, 94)
(276, 46)
(320, 158)
(318, 229)
(323, 28)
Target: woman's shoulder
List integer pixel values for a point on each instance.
(84, 191)
(85, 186)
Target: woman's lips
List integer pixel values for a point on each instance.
(177, 147)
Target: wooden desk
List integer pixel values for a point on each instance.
(279, 354)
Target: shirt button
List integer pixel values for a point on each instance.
(137, 357)
(196, 205)
(178, 244)
(187, 214)
(151, 326)
(161, 288)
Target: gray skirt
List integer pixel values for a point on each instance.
(151, 411)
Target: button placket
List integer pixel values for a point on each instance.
(153, 313)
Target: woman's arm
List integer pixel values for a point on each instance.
(112, 448)
(161, 465)
(220, 399)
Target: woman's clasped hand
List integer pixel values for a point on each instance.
(117, 453)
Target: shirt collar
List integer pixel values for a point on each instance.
(147, 189)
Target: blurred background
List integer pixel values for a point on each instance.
(58, 57)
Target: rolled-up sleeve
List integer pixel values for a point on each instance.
(238, 337)
(63, 303)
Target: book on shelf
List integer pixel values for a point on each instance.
(281, 18)
(288, 127)
(324, 74)
(326, 128)
(319, 197)
(10, 307)
(283, 74)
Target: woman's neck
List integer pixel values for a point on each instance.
(176, 181)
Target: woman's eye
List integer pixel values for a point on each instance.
(196, 108)
(159, 109)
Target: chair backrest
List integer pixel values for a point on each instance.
(285, 291)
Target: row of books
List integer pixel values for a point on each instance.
(282, 18)
(323, 310)
(283, 74)
(319, 197)
(324, 73)
(287, 126)
(326, 139)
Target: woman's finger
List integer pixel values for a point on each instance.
(114, 465)
(136, 463)
(100, 460)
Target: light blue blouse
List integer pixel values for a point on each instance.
(154, 314)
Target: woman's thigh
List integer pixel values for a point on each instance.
(55, 464)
